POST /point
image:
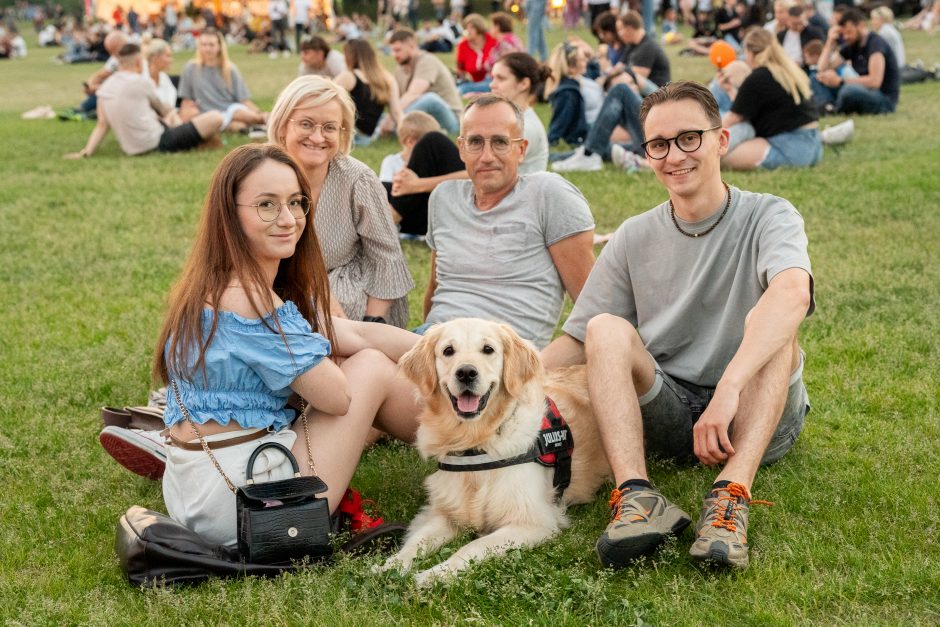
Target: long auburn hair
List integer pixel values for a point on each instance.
(769, 53)
(221, 253)
(361, 55)
(225, 66)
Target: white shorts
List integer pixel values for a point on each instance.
(195, 493)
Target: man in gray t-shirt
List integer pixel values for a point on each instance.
(506, 247)
(688, 326)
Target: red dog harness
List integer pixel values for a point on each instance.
(553, 447)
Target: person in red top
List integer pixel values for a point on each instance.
(472, 52)
(118, 16)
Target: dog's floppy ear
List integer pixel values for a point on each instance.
(418, 363)
(521, 363)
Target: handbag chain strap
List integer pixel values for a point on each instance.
(215, 461)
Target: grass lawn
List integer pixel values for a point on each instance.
(89, 249)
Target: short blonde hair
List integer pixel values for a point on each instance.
(156, 47)
(886, 14)
(312, 91)
(416, 125)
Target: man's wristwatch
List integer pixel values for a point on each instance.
(378, 319)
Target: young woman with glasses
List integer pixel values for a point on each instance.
(314, 121)
(246, 327)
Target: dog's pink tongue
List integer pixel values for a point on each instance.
(468, 402)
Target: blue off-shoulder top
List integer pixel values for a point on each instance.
(248, 370)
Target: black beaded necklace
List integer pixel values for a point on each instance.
(672, 214)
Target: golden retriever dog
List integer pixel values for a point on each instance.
(484, 390)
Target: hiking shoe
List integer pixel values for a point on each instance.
(141, 452)
(579, 162)
(626, 159)
(839, 134)
(722, 527)
(642, 519)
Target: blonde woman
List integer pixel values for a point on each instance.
(575, 99)
(211, 82)
(773, 122)
(314, 121)
(159, 57)
(371, 87)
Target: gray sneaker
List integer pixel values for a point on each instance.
(641, 519)
(722, 527)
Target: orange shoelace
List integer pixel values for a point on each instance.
(614, 502)
(726, 515)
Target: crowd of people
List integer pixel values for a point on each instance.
(694, 356)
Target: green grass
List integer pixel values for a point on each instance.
(89, 249)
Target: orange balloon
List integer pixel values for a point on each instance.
(721, 54)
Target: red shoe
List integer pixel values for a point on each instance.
(352, 517)
(368, 533)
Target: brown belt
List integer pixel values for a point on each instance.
(196, 446)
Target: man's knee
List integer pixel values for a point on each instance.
(606, 330)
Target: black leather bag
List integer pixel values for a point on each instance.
(156, 550)
(282, 520)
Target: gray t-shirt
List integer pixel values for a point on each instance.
(207, 87)
(536, 156)
(688, 297)
(495, 264)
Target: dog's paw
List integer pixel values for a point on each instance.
(393, 563)
(429, 577)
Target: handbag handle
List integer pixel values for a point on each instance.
(251, 461)
(249, 471)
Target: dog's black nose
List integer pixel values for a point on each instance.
(467, 374)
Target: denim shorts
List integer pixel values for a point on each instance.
(798, 148)
(672, 407)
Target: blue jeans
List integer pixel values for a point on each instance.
(434, 105)
(798, 148)
(471, 87)
(535, 14)
(621, 108)
(857, 99)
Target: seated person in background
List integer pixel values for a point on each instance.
(773, 121)
(113, 43)
(727, 81)
(128, 103)
(371, 88)
(473, 51)
(159, 57)
(642, 67)
(506, 40)
(797, 34)
(574, 98)
(669, 29)
(877, 87)
(428, 158)
(424, 82)
(316, 57)
(505, 247)
(517, 76)
(610, 48)
(437, 38)
(210, 82)
(882, 23)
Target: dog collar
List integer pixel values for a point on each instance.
(553, 447)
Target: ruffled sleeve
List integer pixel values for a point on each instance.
(265, 353)
(386, 272)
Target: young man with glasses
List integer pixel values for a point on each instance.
(505, 247)
(688, 326)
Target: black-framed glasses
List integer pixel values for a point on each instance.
(686, 141)
(269, 210)
(499, 144)
(308, 127)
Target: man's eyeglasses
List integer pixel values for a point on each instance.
(686, 141)
(269, 210)
(308, 127)
(499, 144)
